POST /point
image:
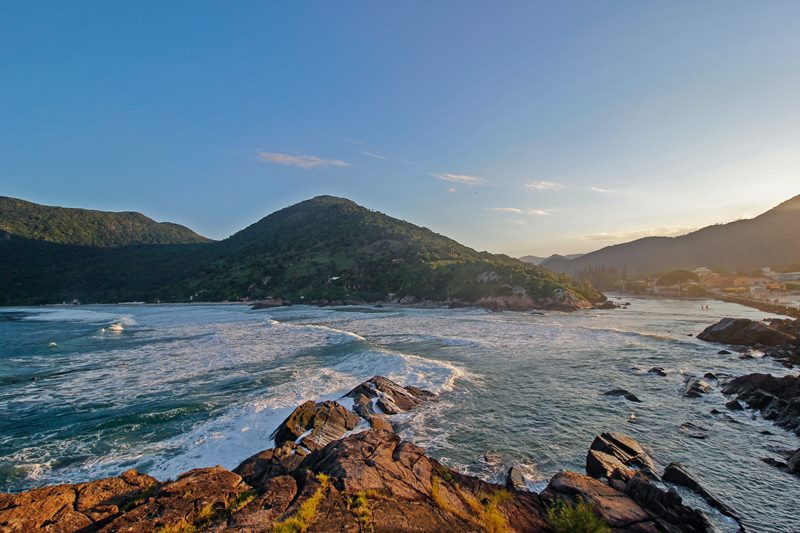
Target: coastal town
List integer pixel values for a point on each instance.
(766, 285)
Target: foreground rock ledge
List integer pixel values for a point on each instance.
(323, 476)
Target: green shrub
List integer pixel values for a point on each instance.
(580, 518)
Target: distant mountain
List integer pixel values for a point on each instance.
(325, 249)
(536, 260)
(85, 227)
(770, 239)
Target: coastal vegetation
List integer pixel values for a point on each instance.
(325, 249)
(85, 227)
(578, 518)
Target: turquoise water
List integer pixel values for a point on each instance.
(196, 385)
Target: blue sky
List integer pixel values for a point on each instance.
(516, 127)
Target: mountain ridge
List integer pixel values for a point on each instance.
(769, 239)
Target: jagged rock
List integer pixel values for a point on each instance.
(602, 465)
(696, 387)
(72, 507)
(794, 462)
(273, 500)
(774, 462)
(626, 450)
(658, 370)
(618, 509)
(390, 395)
(197, 495)
(734, 405)
(666, 507)
(515, 480)
(622, 392)
(778, 399)
(377, 462)
(677, 474)
(745, 332)
(264, 465)
(693, 430)
(315, 424)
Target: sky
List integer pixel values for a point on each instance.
(513, 127)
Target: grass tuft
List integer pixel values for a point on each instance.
(306, 513)
(580, 518)
(484, 511)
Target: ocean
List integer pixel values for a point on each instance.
(186, 386)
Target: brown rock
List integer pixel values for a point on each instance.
(326, 421)
(626, 450)
(71, 507)
(778, 399)
(259, 468)
(602, 465)
(197, 495)
(391, 397)
(259, 515)
(666, 507)
(618, 509)
(677, 474)
(744, 332)
(696, 387)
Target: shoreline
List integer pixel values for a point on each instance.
(761, 305)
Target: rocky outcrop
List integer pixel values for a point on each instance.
(271, 463)
(696, 387)
(73, 507)
(624, 449)
(794, 462)
(778, 399)
(745, 332)
(313, 425)
(624, 393)
(379, 396)
(370, 480)
(635, 505)
(677, 474)
(194, 500)
(563, 300)
(628, 498)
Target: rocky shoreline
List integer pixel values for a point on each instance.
(335, 468)
(560, 301)
(776, 398)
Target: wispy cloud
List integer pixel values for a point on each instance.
(624, 236)
(553, 186)
(451, 189)
(373, 155)
(302, 161)
(518, 211)
(543, 186)
(506, 210)
(460, 178)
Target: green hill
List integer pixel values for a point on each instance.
(85, 227)
(322, 250)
